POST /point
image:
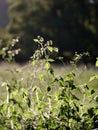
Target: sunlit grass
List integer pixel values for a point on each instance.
(82, 72)
(22, 72)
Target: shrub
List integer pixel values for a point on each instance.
(44, 101)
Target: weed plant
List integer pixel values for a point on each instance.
(44, 101)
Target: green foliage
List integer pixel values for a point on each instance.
(71, 24)
(77, 58)
(44, 101)
(8, 53)
(96, 75)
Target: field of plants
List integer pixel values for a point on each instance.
(41, 95)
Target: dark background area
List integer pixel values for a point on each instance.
(71, 25)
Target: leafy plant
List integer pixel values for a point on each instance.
(96, 75)
(44, 101)
(8, 53)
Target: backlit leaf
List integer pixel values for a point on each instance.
(97, 63)
(50, 48)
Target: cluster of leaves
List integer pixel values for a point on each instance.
(45, 101)
(8, 53)
(72, 25)
(77, 58)
(96, 75)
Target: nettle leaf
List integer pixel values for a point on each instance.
(34, 62)
(96, 98)
(62, 82)
(48, 88)
(86, 86)
(93, 77)
(4, 84)
(92, 91)
(55, 49)
(34, 88)
(85, 114)
(50, 48)
(35, 40)
(41, 39)
(72, 86)
(52, 71)
(50, 60)
(47, 65)
(74, 97)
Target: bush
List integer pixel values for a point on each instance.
(44, 101)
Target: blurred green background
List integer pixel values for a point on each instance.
(72, 25)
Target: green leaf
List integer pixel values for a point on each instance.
(36, 40)
(34, 89)
(51, 71)
(92, 78)
(60, 58)
(47, 65)
(50, 48)
(50, 60)
(86, 86)
(74, 97)
(96, 98)
(34, 62)
(48, 88)
(55, 49)
(4, 84)
(97, 62)
(28, 102)
(61, 81)
(92, 91)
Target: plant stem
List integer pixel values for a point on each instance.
(8, 102)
